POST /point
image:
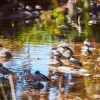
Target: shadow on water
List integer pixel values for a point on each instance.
(31, 46)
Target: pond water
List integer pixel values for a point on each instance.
(33, 49)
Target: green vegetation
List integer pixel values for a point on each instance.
(51, 19)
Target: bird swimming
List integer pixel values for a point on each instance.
(36, 77)
(40, 76)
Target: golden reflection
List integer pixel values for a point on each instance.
(12, 46)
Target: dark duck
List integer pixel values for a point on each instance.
(36, 77)
(75, 62)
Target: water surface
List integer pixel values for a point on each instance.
(33, 48)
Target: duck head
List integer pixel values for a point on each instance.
(1, 65)
(37, 72)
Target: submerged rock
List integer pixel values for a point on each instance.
(77, 98)
(97, 76)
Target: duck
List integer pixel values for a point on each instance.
(4, 53)
(88, 52)
(36, 77)
(75, 62)
(88, 48)
(5, 71)
(40, 77)
(88, 44)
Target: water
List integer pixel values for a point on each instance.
(32, 48)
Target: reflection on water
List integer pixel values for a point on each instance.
(32, 48)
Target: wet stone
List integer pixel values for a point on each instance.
(96, 96)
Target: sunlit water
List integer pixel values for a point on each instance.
(36, 54)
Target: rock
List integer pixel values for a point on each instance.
(97, 76)
(38, 7)
(77, 98)
(96, 96)
(86, 99)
